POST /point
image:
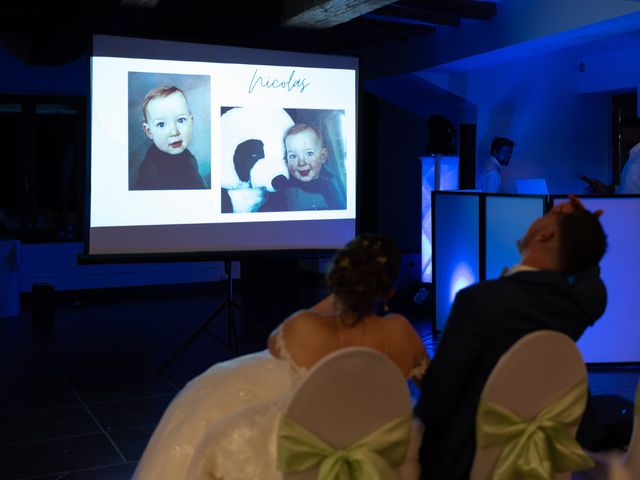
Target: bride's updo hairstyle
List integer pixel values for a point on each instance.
(362, 274)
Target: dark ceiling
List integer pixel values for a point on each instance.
(56, 32)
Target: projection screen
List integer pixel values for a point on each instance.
(202, 148)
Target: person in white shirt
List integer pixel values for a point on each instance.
(630, 176)
(490, 179)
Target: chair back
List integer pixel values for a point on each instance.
(346, 396)
(633, 454)
(531, 375)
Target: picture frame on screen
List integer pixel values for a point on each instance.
(203, 150)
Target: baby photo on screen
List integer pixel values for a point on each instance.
(277, 160)
(169, 131)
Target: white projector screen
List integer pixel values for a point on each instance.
(201, 148)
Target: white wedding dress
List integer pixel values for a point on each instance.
(222, 424)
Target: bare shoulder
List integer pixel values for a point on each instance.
(399, 322)
(306, 335)
(283, 330)
(403, 329)
(306, 322)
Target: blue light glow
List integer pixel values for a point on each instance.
(507, 220)
(457, 255)
(462, 277)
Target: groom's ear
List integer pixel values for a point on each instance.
(546, 234)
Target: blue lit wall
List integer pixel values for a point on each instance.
(558, 132)
(612, 67)
(520, 28)
(535, 100)
(456, 254)
(20, 77)
(507, 219)
(616, 336)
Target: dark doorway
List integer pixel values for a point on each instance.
(623, 106)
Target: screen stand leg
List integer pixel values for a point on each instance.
(232, 342)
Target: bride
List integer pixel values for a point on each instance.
(222, 424)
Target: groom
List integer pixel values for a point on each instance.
(556, 286)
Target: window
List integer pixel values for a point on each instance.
(42, 184)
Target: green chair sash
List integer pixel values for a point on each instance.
(535, 449)
(370, 458)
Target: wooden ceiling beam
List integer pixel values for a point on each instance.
(419, 14)
(381, 26)
(140, 3)
(463, 8)
(320, 14)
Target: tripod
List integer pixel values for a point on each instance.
(232, 342)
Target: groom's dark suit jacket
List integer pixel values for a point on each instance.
(485, 320)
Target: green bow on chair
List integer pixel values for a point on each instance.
(536, 448)
(370, 458)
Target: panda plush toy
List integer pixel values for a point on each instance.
(252, 156)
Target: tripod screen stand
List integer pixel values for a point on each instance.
(232, 341)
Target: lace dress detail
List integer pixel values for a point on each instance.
(419, 370)
(211, 404)
(297, 371)
(241, 447)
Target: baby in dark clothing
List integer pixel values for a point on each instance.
(168, 122)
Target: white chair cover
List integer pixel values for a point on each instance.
(534, 372)
(346, 396)
(633, 454)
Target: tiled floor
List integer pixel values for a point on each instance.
(80, 402)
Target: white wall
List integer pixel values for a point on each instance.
(611, 66)
(557, 130)
(518, 74)
(535, 101)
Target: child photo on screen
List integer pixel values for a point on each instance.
(311, 186)
(278, 160)
(168, 162)
(168, 122)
